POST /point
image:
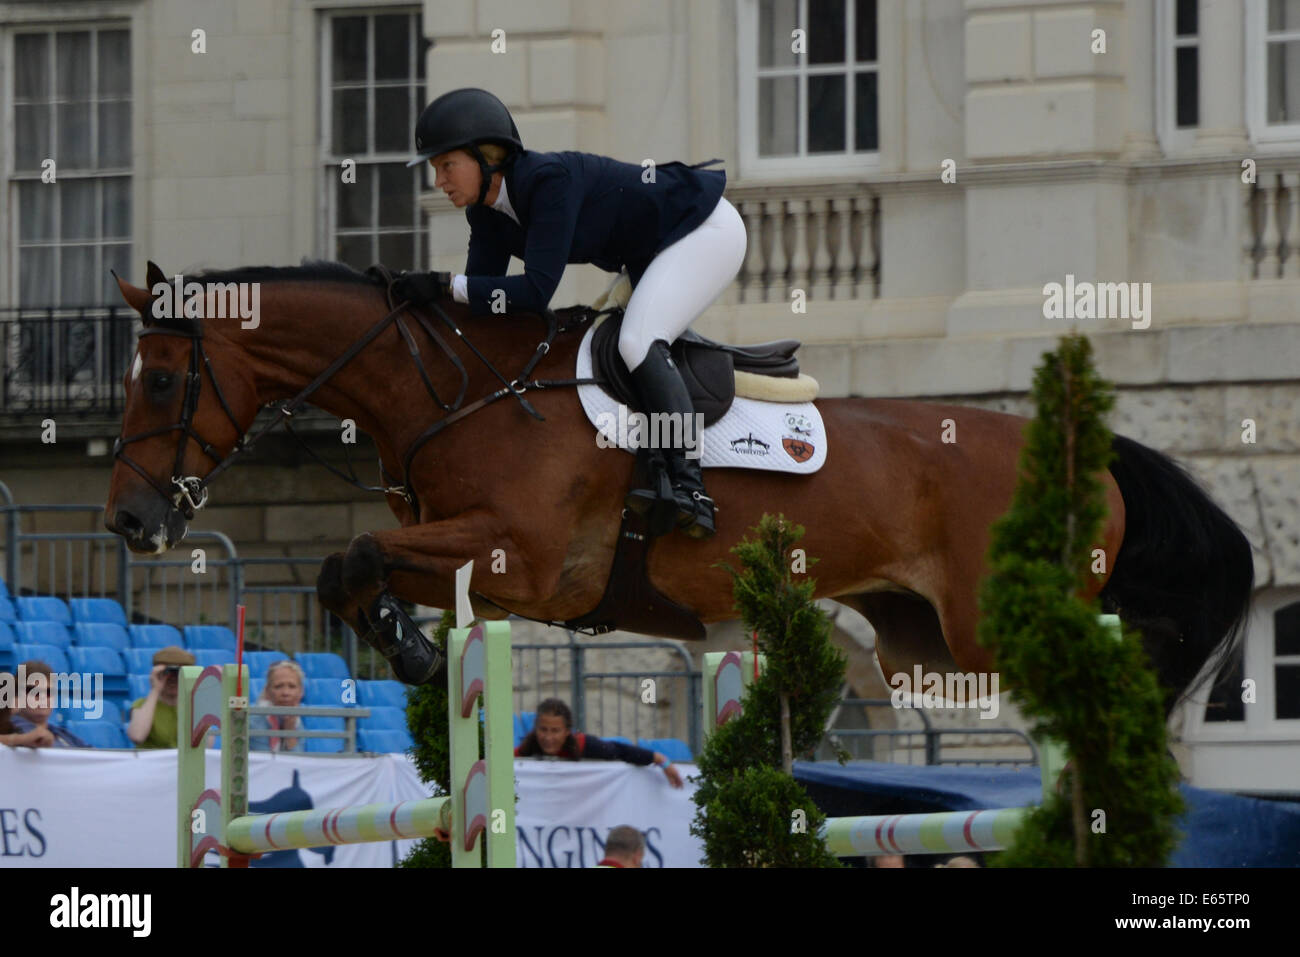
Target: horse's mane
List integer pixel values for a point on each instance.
(311, 270)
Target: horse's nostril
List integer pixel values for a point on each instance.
(124, 523)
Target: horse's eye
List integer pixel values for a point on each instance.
(161, 382)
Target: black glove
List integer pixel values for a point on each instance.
(421, 287)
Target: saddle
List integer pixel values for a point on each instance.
(708, 368)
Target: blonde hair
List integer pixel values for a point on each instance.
(292, 666)
(494, 153)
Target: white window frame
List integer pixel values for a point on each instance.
(1259, 723)
(1278, 136)
(756, 167)
(326, 162)
(1173, 139)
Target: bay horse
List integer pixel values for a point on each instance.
(898, 518)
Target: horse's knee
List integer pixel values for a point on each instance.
(363, 567)
(329, 583)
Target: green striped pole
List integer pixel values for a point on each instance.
(947, 832)
(320, 827)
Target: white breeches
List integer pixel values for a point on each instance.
(682, 281)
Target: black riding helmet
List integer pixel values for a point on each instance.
(461, 120)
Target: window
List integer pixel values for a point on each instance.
(374, 92)
(72, 105)
(1273, 71)
(1286, 662)
(809, 89)
(1178, 72)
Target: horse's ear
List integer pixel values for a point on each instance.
(138, 299)
(153, 275)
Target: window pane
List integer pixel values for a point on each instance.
(77, 278)
(116, 208)
(396, 195)
(866, 123)
(776, 20)
(1224, 702)
(826, 31)
(392, 47)
(78, 214)
(31, 66)
(1283, 15)
(778, 116)
(73, 136)
(36, 211)
(1288, 691)
(352, 200)
(1283, 81)
(393, 124)
(114, 63)
(36, 277)
(1185, 18)
(1286, 630)
(421, 51)
(32, 129)
(72, 53)
(825, 114)
(114, 134)
(350, 122)
(356, 251)
(118, 259)
(349, 48)
(864, 30)
(1185, 81)
(397, 250)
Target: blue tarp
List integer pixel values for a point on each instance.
(1220, 830)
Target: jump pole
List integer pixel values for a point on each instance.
(482, 799)
(727, 674)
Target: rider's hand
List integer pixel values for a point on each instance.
(421, 287)
(157, 677)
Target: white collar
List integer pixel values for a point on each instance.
(503, 203)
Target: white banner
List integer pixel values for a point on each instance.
(75, 808)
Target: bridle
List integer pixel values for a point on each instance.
(189, 493)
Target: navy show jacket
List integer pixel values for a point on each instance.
(580, 208)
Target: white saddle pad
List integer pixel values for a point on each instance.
(771, 436)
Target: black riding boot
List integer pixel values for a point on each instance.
(661, 389)
(414, 659)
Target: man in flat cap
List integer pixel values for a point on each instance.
(153, 717)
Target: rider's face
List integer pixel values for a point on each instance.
(457, 174)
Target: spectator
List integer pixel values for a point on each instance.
(553, 736)
(625, 847)
(961, 860)
(284, 689)
(34, 716)
(40, 738)
(153, 717)
(888, 860)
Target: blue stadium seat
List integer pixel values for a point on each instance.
(42, 633)
(154, 636)
(98, 634)
(100, 734)
(259, 661)
(104, 610)
(325, 693)
(43, 608)
(381, 694)
(324, 746)
(209, 637)
(138, 686)
(213, 656)
(674, 749)
(139, 661)
(113, 713)
(322, 664)
(7, 610)
(52, 656)
(524, 722)
(616, 737)
(103, 661)
(384, 719)
(255, 686)
(7, 640)
(384, 742)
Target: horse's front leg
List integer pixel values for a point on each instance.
(418, 563)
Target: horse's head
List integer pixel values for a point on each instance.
(190, 395)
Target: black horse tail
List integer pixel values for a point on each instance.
(1184, 573)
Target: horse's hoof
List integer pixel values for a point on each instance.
(413, 658)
